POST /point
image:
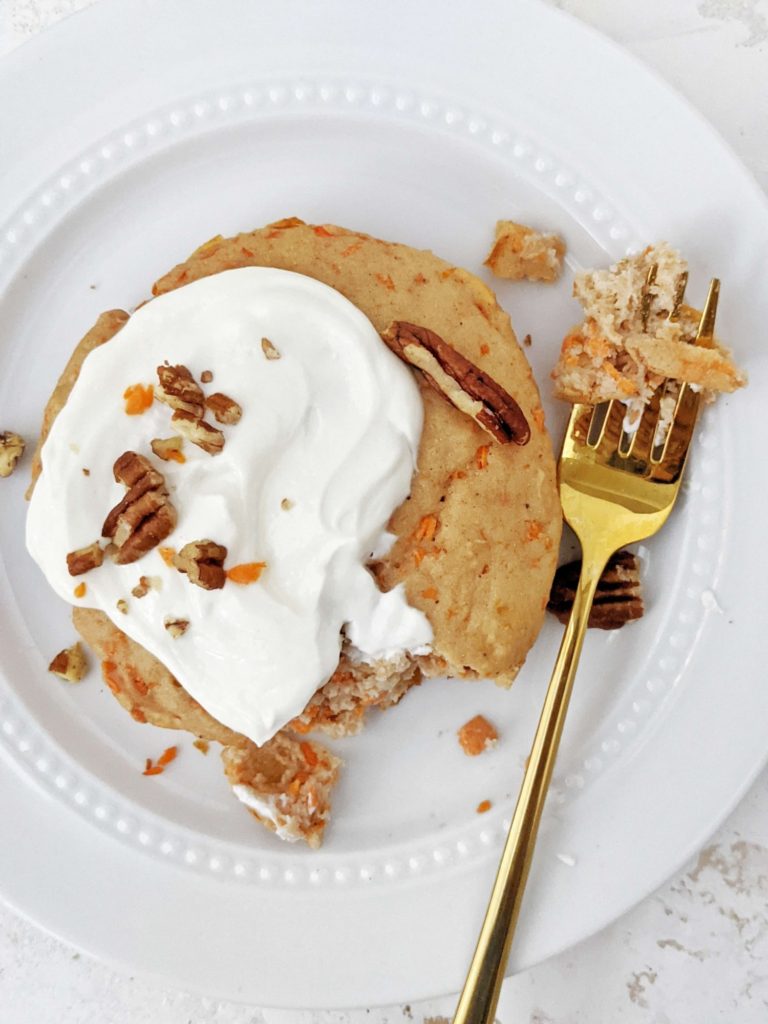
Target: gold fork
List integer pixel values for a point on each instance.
(617, 486)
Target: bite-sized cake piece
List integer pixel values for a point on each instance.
(521, 253)
(285, 784)
(636, 332)
(477, 735)
(70, 664)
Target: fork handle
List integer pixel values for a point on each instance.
(477, 1004)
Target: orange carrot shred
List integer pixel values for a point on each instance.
(387, 281)
(246, 573)
(80, 590)
(483, 806)
(176, 456)
(138, 398)
(167, 555)
(419, 555)
(538, 417)
(309, 754)
(167, 756)
(154, 770)
(484, 350)
(481, 456)
(427, 528)
(533, 529)
(322, 232)
(430, 593)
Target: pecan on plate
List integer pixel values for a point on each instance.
(145, 516)
(179, 389)
(619, 595)
(203, 562)
(176, 627)
(11, 449)
(465, 386)
(70, 664)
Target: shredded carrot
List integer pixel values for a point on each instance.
(148, 763)
(538, 417)
(427, 528)
(167, 756)
(174, 455)
(534, 529)
(457, 474)
(154, 770)
(309, 754)
(109, 674)
(484, 350)
(419, 279)
(246, 252)
(322, 232)
(483, 806)
(248, 572)
(387, 281)
(138, 398)
(483, 311)
(138, 715)
(352, 248)
(481, 456)
(167, 555)
(430, 593)
(419, 555)
(80, 590)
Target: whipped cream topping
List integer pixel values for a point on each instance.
(333, 426)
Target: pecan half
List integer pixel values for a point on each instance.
(198, 431)
(203, 561)
(70, 664)
(619, 596)
(225, 409)
(179, 389)
(145, 516)
(11, 449)
(460, 381)
(84, 559)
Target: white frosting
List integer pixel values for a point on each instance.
(333, 425)
(266, 807)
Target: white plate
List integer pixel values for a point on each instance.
(137, 131)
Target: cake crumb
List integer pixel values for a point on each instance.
(521, 253)
(202, 745)
(477, 735)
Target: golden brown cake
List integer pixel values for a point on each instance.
(476, 541)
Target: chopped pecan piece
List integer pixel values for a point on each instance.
(203, 562)
(145, 584)
(206, 377)
(70, 664)
(198, 431)
(619, 596)
(84, 559)
(176, 627)
(169, 448)
(179, 389)
(225, 409)
(145, 516)
(460, 381)
(11, 449)
(269, 349)
(122, 605)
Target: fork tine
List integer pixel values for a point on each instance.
(682, 284)
(647, 297)
(675, 447)
(637, 443)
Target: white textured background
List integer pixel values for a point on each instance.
(697, 951)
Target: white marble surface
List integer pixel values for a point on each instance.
(695, 951)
